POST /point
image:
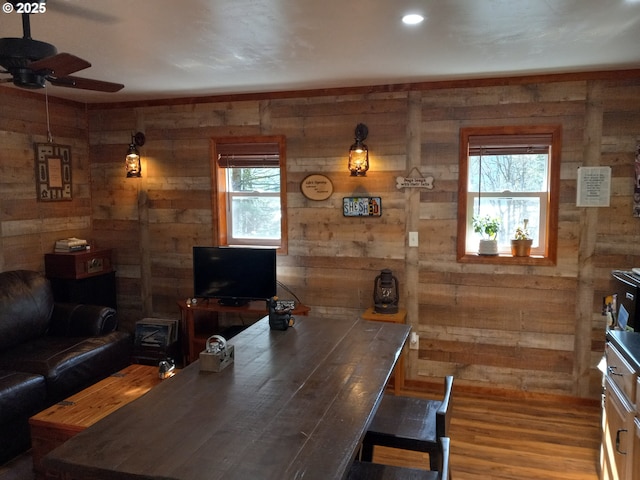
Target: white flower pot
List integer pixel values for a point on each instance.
(488, 247)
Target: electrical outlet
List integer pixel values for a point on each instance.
(414, 341)
(413, 239)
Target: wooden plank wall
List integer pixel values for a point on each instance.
(30, 228)
(519, 328)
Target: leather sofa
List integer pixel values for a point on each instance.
(48, 351)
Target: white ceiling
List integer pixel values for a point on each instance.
(183, 48)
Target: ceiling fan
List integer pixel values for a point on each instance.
(31, 63)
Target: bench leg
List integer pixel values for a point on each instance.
(366, 453)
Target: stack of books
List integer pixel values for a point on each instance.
(70, 245)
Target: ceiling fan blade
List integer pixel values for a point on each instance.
(60, 65)
(86, 84)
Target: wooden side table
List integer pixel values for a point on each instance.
(82, 277)
(400, 317)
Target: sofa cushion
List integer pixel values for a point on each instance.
(70, 364)
(26, 303)
(21, 395)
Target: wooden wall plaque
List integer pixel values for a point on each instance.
(316, 187)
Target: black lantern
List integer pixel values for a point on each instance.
(359, 153)
(132, 161)
(385, 292)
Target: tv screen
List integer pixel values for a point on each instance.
(233, 275)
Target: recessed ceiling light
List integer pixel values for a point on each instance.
(412, 19)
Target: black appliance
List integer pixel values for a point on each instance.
(626, 299)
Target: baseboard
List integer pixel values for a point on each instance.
(432, 387)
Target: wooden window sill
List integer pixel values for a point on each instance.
(505, 259)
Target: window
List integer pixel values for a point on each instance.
(509, 173)
(250, 191)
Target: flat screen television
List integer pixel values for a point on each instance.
(234, 275)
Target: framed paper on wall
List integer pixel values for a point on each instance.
(53, 172)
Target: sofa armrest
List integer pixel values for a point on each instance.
(78, 320)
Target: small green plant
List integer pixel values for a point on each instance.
(522, 233)
(486, 226)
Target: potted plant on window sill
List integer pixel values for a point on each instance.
(521, 242)
(488, 227)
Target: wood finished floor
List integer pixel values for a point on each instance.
(510, 439)
(492, 438)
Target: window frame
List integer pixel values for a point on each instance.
(220, 198)
(548, 254)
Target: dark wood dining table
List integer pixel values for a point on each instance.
(295, 404)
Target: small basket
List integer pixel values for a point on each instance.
(217, 354)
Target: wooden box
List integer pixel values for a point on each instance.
(58, 423)
(216, 362)
(76, 265)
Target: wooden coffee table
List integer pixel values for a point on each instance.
(57, 424)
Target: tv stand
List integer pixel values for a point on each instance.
(233, 302)
(193, 343)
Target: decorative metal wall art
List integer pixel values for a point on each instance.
(53, 172)
(362, 206)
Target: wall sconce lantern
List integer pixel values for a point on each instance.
(385, 292)
(132, 161)
(359, 153)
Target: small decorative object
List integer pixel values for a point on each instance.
(316, 187)
(166, 368)
(385, 292)
(279, 315)
(521, 242)
(362, 206)
(132, 160)
(53, 172)
(414, 182)
(217, 354)
(359, 153)
(488, 227)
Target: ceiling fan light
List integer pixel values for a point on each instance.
(412, 19)
(27, 79)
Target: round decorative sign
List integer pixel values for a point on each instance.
(316, 187)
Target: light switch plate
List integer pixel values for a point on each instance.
(414, 341)
(413, 239)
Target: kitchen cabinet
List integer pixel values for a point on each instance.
(620, 415)
(636, 447)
